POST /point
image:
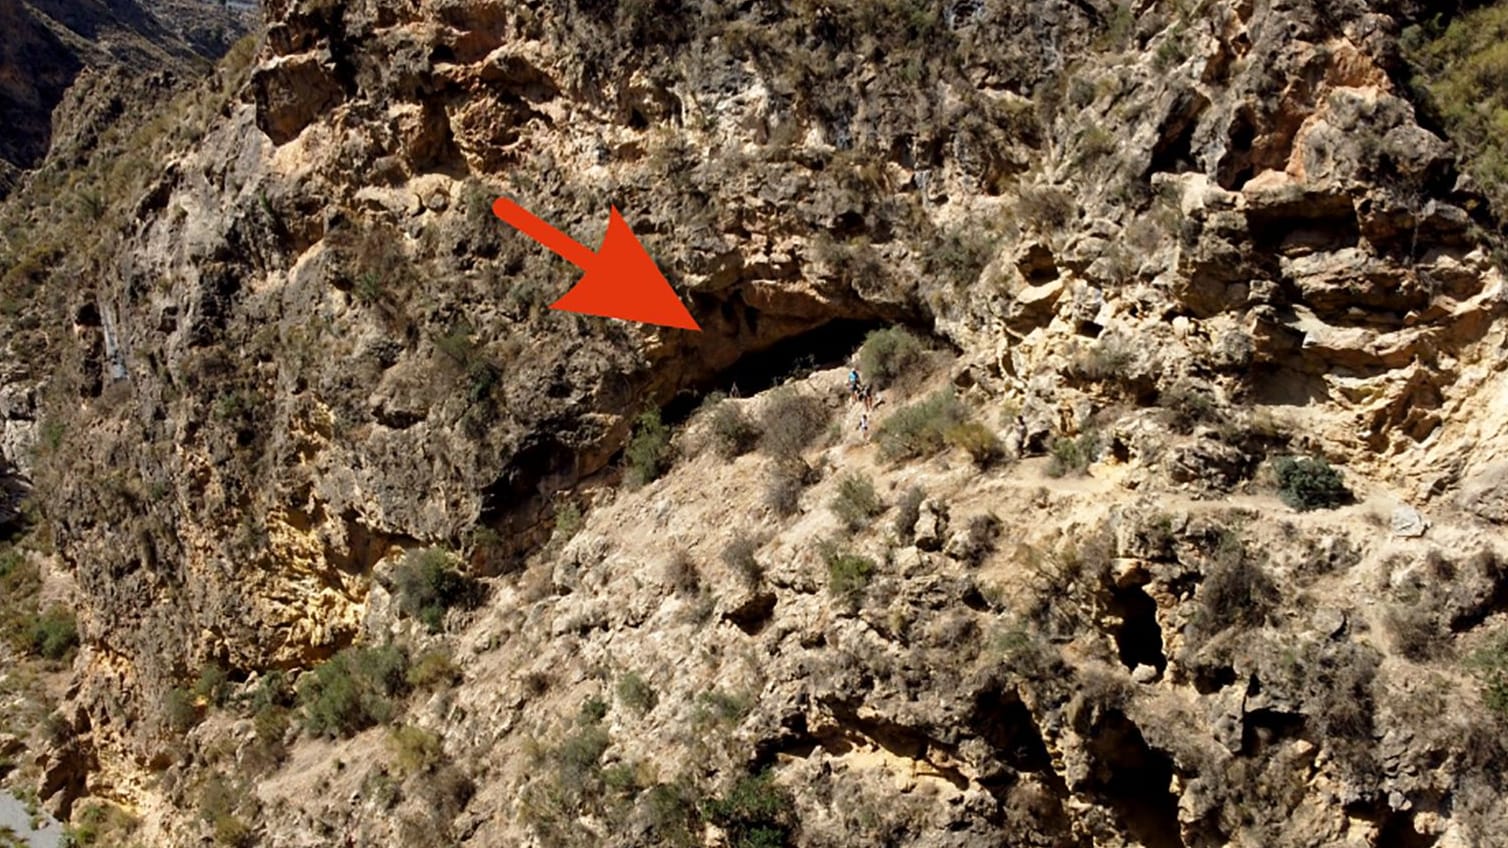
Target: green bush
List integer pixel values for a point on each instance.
(907, 510)
(218, 802)
(755, 813)
(648, 452)
(726, 707)
(94, 826)
(1073, 456)
(977, 440)
(427, 583)
(568, 522)
(789, 421)
(1306, 483)
(433, 670)
(856, 503)
(889, 354)
(53, 634)
(212, 685)
(636, 693)
(353, 690)
(673, 815)
(415, 749)
(920, 429)
(1463, 68)
(179, 709)
(847, 573)
(1490, 665)
(733, 434)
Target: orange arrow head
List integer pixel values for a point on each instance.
(622, 281)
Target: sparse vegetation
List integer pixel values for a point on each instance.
(907, 510)
(648, 451)
(1490, 665)
(568, 522)
(433, 669)
(856, 503)
(783, 486)
(738, 555)
(756, 812)
(53, 634)
(220, 806)
(353, 690)
(427, 583)
(1306, 483)
(847, 572)
(733, 433)
(889, 354)
(920, 429)
(681, 573)
(96, 826)
(1237, 592)
(1073, 455)
(723, 706)
(789, 421)
(212, 687)
(636, 693)
(1462, 67)
(415, 749)
(977, 440)
(1415, 632)
(179, 710)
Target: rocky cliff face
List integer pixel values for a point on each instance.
(1194, 236)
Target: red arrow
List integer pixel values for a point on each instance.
(621, 280)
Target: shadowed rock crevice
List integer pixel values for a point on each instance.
(1138, 638)
(1135, 781)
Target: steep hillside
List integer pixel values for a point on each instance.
(358, 540)
(48, 43)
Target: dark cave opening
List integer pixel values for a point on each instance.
(1398, 832)
(1139, 638)
(828, 345)
(1136, 782)
(1002, 719)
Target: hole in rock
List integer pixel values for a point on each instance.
(1398, 832)
(1260, 729)
(1005, 722)
(1135, 781)
(1138, 638)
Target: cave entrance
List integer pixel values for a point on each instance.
(828, 345)
(1139, 638)
(1139, 784)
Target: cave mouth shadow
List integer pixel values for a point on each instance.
(828, 345)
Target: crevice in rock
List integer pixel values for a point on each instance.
(1138, 638)
(1174, 150)
(1398, 832)
(897, 739)
(1261, 729)
(1135, 781)
(1003, 720)
(754, 613)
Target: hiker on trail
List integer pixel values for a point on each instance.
(866, 394)
(853, 382)
(864, 425)
(733, 392)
